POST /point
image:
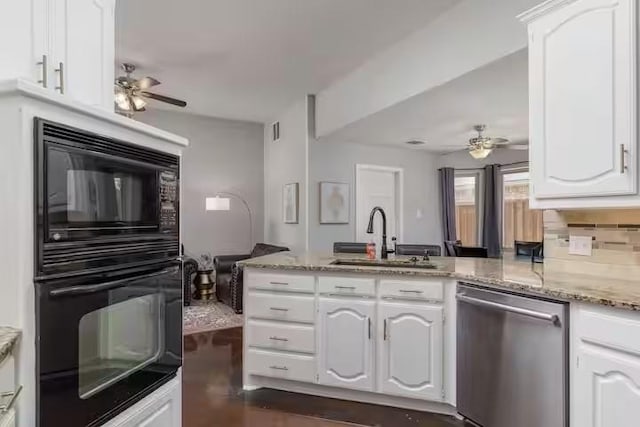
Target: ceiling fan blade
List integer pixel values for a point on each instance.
(146, 83)
(498, 141)
(514, 146)
(163, 98)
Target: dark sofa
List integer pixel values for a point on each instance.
(229, 275)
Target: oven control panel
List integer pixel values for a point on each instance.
(168, 199)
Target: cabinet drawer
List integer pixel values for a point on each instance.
(281, 282)
(619, 329)
(346, 286)
(291, 308)
(281, 336)
(432, 290)
(286, 366)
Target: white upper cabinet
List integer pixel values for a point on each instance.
(411, 350)
(83, 50)
(346, 343)
(582, 94)
(66, 46)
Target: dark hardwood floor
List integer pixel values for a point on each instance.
(213, 395)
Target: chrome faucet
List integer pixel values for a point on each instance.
(384, 253)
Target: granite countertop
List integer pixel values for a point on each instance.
(8, 339)
(508, 274)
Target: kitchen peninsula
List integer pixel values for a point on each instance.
(386, 333)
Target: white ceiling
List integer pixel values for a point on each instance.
(250, 59)
(495, 95)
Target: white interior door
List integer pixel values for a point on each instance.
(378, 186)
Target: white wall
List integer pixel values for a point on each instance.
(335, 161)
(470, 35)
(462, 159)
(285, 162)
(223, 155)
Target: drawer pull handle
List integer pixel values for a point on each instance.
(279, 283)
(408, 291)
(279, 368)
(279, 309)
(278, 339)
(349, 288)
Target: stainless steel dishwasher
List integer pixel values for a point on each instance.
(512, 367)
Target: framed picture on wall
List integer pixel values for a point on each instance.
(290, 197)
(334, 203)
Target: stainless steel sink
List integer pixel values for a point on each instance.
(393, 263)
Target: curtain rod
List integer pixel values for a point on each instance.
(479, 169)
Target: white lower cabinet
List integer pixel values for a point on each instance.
(378, 340)
(411, 350)
(608, 382)
(163, 408)
(606, 368)
(345, 354)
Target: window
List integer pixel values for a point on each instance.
(519, 222)
(467, 212)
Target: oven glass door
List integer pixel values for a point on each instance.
(105, 343)
(89, 194)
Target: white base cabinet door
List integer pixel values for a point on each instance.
(583, 90)
(607, 388)
(346, 343)
(411, 351)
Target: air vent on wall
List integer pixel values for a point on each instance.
(275, 131)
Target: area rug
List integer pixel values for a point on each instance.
(203, 316)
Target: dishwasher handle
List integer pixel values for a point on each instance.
(553, 318)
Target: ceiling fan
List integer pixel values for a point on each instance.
(481, 146)
(130, 93)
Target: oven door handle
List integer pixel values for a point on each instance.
(106, 286)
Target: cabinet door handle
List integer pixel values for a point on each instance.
(369, 326)
(43, 81)
(279, 368)
(623, 163)
(279, 309)
(349, 288)
(60, 71)
(384, 329)
(279, 283)
(278, 339)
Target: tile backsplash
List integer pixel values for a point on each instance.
(615, 234)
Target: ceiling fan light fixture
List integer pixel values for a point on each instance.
(122, 101)
(480, 152)
(138, 102)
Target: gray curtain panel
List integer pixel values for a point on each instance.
(491, 215)
(448, 204)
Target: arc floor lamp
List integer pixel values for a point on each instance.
(222, 202)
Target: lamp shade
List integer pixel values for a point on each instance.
(218, 203)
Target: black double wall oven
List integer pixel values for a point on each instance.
(107, 274)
